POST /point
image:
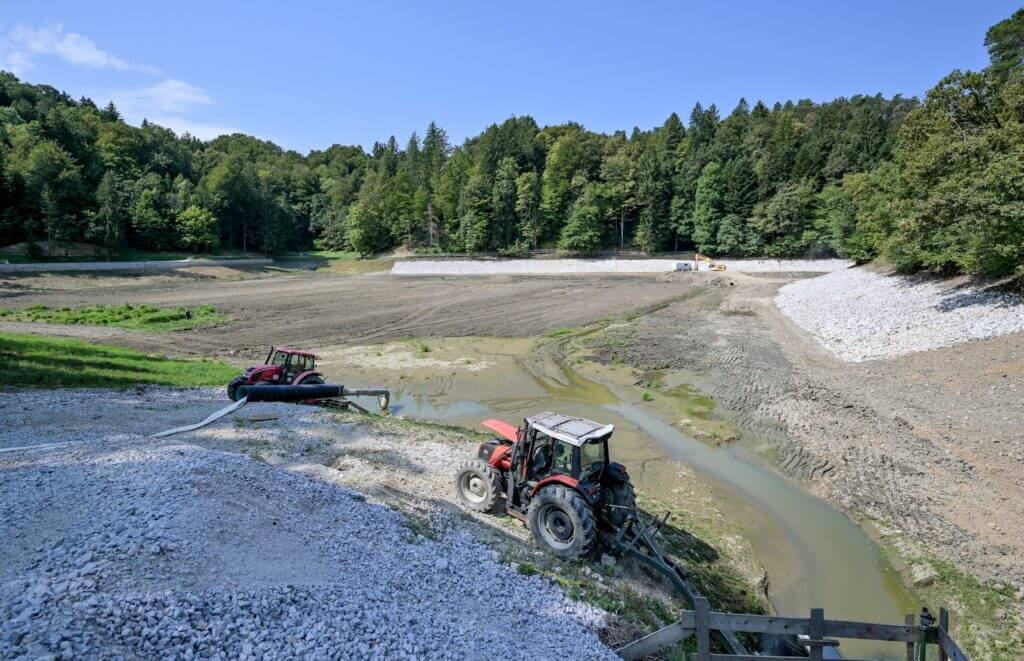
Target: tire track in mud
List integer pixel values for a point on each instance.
(825, 424)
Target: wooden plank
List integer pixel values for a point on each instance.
(703, 626)
(653, 642)
(816, 631)
(944, 625)
(949, 646)
(686, 626)
(908, 619)
(800, 625)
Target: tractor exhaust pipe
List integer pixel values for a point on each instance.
(312, 392)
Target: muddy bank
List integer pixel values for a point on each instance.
(812, 554)
(925, 450)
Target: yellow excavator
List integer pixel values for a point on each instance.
(712, 264)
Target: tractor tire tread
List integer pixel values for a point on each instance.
(489, 474)
(586, 523)
(233, 386)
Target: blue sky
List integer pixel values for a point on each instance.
(310, 74)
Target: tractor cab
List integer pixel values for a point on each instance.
(291, 362)
(560, 445)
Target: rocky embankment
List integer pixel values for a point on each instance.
(861, 315)
(115, 545)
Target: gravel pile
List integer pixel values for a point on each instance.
(120, 546)
(861, 315)
(577, 266)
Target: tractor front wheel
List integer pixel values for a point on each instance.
(233, 386)
(562, 522)
(478, 485)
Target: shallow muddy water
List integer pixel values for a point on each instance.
(814, 556)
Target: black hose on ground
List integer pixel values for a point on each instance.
(290, 393)
(304, 393)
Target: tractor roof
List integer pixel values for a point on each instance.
(572, 430)
(297, 352)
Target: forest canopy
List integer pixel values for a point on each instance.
(936, 185)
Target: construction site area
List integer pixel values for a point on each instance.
(800, 435)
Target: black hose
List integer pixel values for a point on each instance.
(290, 393)
(311, 392)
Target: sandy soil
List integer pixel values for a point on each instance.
(327, 310)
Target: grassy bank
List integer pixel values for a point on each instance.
(985, 617)
(134, 317)
(83, 252)
(343, 262)
(37, 361)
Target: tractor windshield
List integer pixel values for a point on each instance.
(279, 358)
(593, 457)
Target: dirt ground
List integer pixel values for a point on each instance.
(927, 446)
(329, 310)
(927, 449)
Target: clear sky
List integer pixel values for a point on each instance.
(310, 74)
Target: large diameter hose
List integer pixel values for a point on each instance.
(290, 393)
(312, 392)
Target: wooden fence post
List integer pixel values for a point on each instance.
(702, 625)
(816, 631)
(909, 621)
(944, 625)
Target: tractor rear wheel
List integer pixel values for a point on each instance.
(478, 485)
(621, 501)
(562, 522)
(233, 386)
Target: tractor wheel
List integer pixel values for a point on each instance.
(562, 522)
(622, 499)
(233, 386)
(478, 485)
(310, 381)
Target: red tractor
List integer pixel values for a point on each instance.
(554, 474)
(283, 367)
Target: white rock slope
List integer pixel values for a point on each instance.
(470, 267)
(861, 315)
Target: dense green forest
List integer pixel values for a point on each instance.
(937, 184)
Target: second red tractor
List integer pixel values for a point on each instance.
(284, 366)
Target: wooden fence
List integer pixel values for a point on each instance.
(701, 621)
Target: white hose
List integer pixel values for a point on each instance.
(212, 418)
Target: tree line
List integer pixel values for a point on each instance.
(936, 184)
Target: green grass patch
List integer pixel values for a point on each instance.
(344, 255)
(126, 255)
(559, 332)
(983, 615)
(34, 360)
(134, 317)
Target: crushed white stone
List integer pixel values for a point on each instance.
(582, 266)
(120, 546)
(861, 315)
